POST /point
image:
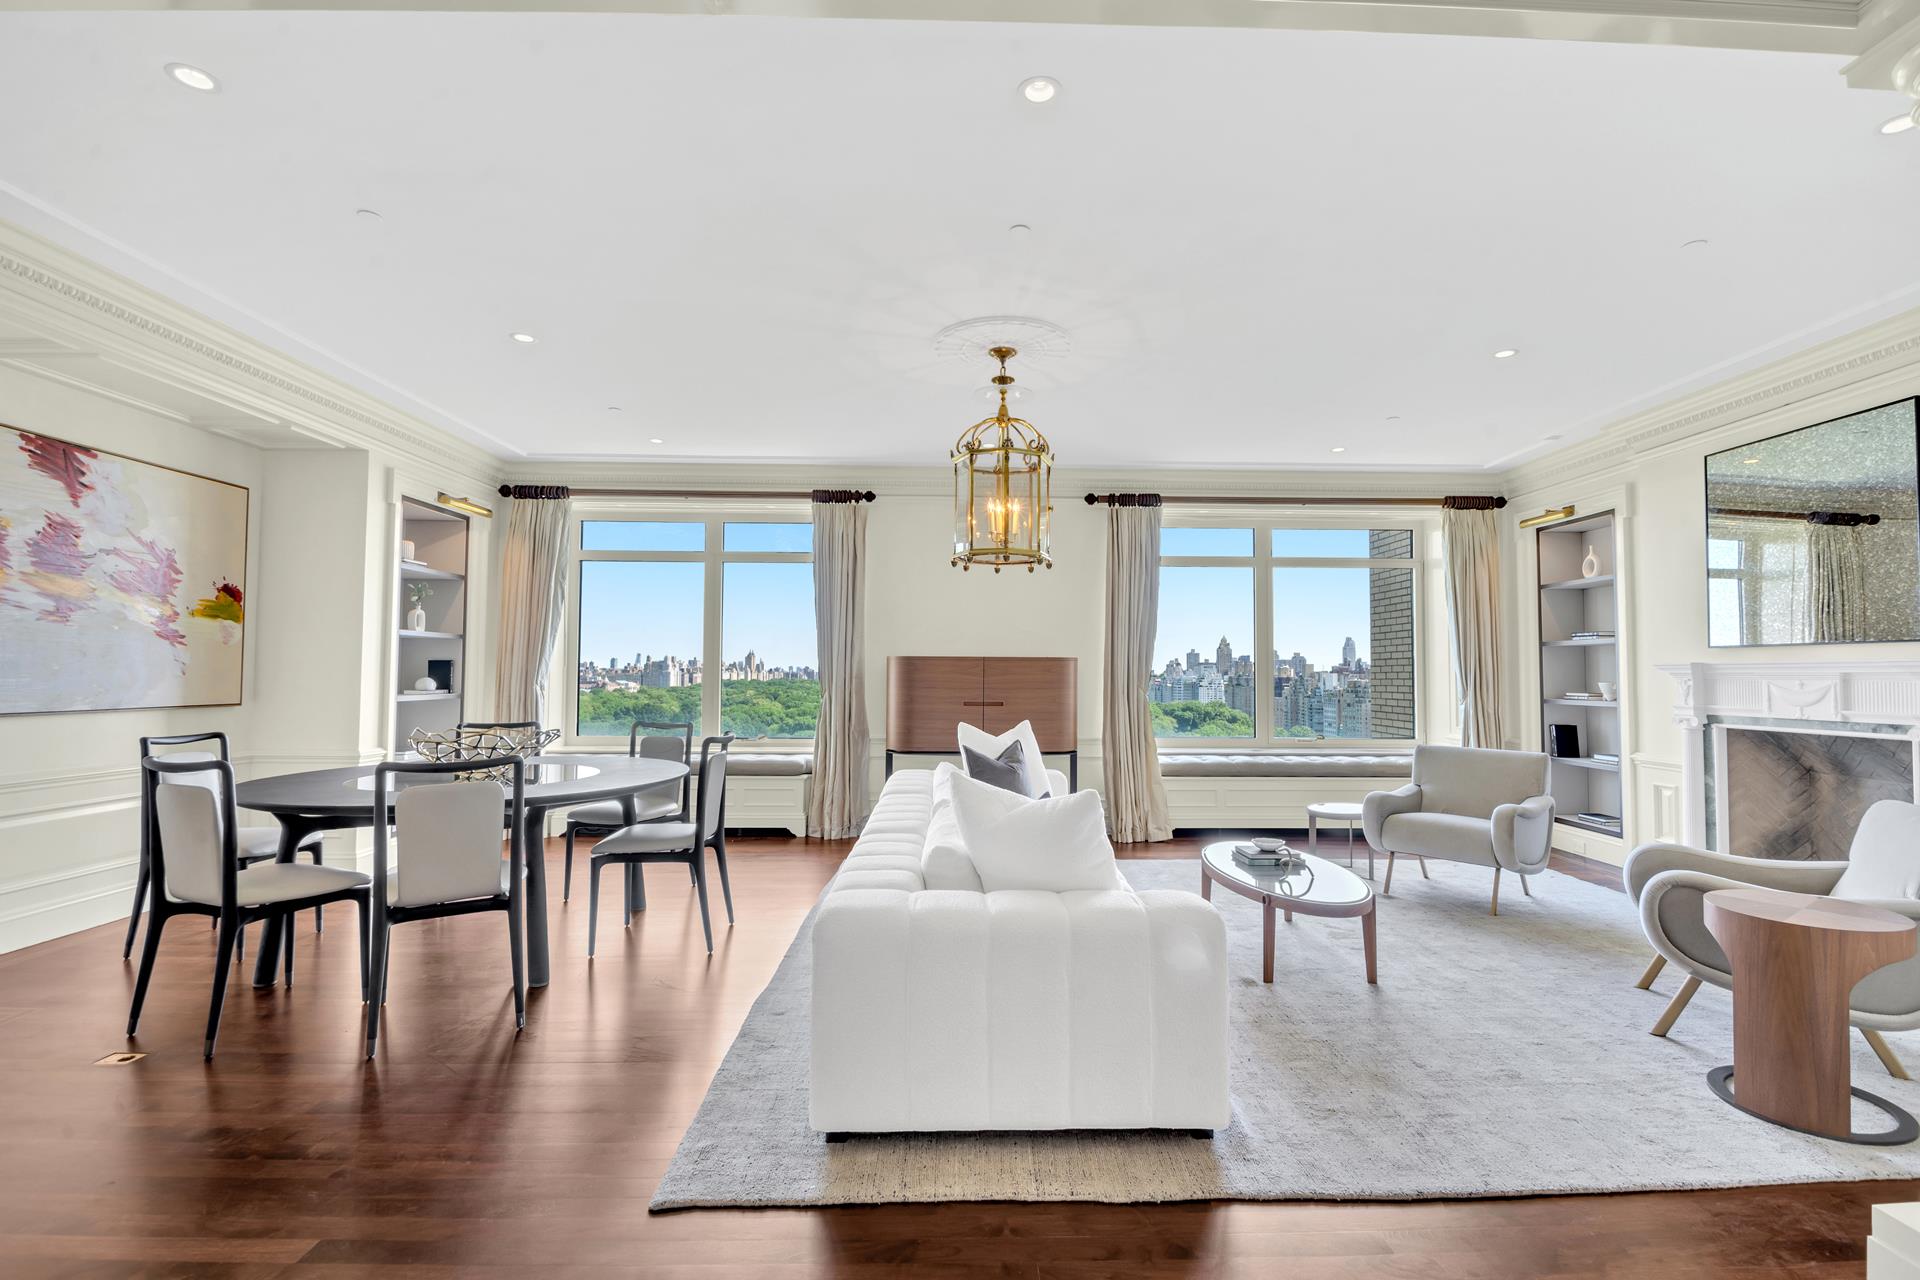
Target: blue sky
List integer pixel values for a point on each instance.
(632, 606)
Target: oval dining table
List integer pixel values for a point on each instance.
(342, 799)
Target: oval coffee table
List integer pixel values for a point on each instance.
(1795, 960)
(1315, 888)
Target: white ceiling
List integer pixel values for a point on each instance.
(747, 231)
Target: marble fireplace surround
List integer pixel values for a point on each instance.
(1878, 700)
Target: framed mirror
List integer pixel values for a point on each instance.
(1811, 534)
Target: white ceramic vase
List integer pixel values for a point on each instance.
(417, 619)
(1590, 567)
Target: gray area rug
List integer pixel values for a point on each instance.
(1498, 1056)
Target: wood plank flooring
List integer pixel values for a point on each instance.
(467, 1152)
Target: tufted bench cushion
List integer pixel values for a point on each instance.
(1282, 764)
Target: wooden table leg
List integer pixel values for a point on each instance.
(1206, 885)
(1368, 936)
(1266, 942)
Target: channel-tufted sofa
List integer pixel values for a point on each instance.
(950, 1008)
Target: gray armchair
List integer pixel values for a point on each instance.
(1467, 804)
(1669, 882)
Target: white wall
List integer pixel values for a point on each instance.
(1653, 468)
(68, 782)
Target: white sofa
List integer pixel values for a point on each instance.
(955, 1009)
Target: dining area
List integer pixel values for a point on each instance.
(459, 827)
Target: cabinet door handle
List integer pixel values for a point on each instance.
(983, 704)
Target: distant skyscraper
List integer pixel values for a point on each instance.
(1223, 657)
(1348, 652)
(1193, 659)
(1298, 662)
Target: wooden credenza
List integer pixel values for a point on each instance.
(928, 698)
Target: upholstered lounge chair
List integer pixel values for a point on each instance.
(1467, 804)
(1670, 883)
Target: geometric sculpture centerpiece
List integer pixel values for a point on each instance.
(1002, 488)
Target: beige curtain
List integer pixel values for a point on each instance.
(1473, 614)
(837, 798)
(1836, 585)
(533, 596)
(1130, 761)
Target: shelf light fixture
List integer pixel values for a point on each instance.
(467, 505)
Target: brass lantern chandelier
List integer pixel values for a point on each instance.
(1002, 488)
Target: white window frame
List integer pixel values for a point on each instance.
(713, 620)
(1263, 562)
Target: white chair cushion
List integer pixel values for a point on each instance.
(1440, 835)
(1884, 861)
(271, 882)
(647, 807)
(1057, 844)
(393, 886)
(989, 745)
(648, 837)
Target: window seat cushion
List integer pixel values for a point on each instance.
(769, 764)
(1282, 764)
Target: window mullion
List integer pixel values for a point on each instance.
(1263, 634)
(712, 622)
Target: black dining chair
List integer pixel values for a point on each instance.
(254, 844)
(194, 869)
(670, 740)
(683, 842)
(449, 865)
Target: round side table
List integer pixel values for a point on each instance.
(1795, 960)
(1335, 811)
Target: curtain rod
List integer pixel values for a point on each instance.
(537, 491)
(1849, 519)
(1467, 503)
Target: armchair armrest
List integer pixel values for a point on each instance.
(1523, 833)
(1889, 999)
(1649, 860)
(1381, 805)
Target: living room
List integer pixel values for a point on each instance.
(1217, 612)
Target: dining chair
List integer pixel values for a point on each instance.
(194, 869)
(686, 842)
(449, 865)
(254, 844)
(674, 743)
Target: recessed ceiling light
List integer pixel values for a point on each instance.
(656, 440)
(1393, 417)
(1019, 229)
(523, 337)
(1339, 448)
(1899, 124)
(1039, 88)
(371, 215)
(613, 408)
(1506, 353)
(193, 77)
(1695, 244)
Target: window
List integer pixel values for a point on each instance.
(702, 621)
(1271, 634)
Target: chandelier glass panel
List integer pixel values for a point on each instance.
(1002, 488)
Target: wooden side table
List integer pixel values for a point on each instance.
(1795, 960)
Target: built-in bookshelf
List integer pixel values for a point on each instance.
(433, 565)
(1580, 666)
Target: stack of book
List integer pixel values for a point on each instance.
(1580, 695)
(1252, 856)
(1606, 757)
(1592, 635)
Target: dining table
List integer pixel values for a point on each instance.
(343, 799)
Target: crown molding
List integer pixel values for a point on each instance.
(1883, 358)
(64, 298)
(936, 479)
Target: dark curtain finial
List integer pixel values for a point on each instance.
(535, 492)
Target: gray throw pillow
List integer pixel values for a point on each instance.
(1008, 770)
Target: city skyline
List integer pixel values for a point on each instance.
(1315, 611)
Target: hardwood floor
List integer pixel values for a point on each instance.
(467, 1152)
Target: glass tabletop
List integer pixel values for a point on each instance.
(1311, 879)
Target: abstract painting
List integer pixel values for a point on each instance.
(121, 582)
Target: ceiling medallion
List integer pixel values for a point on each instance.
(1002, 487)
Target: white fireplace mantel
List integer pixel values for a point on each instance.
(1841, 693)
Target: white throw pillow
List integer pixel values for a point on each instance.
(990, 746)
(1057, 844)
